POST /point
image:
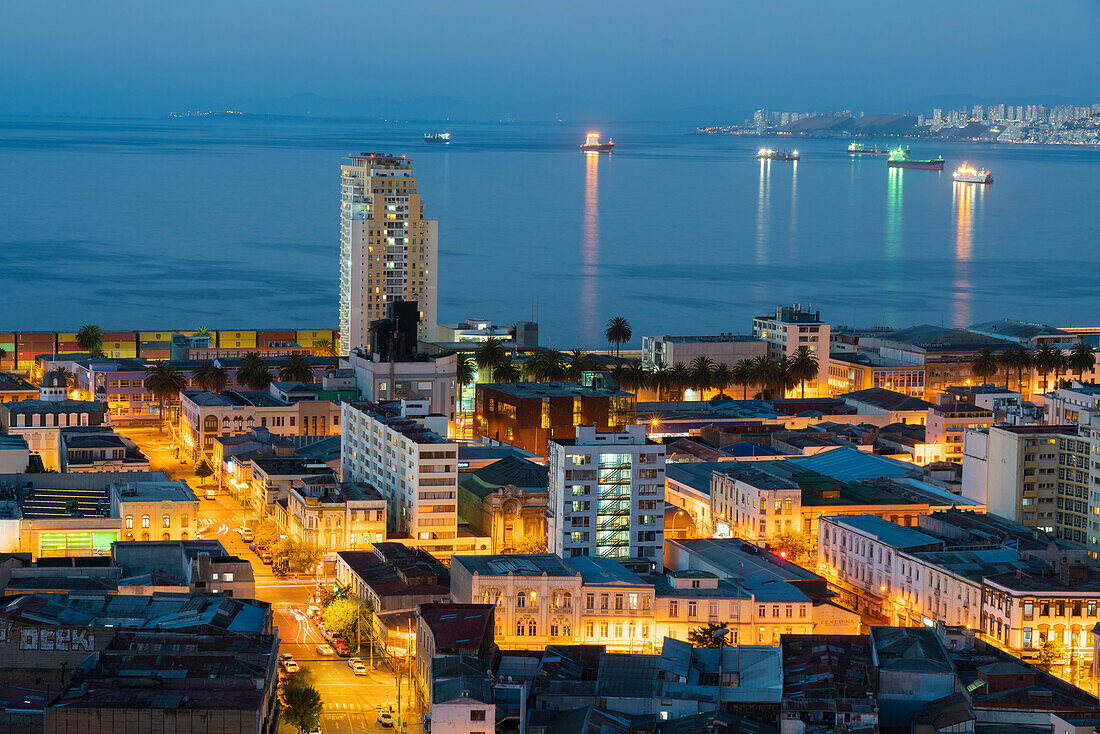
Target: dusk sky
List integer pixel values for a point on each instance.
(614, 58)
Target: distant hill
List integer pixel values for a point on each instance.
(866, 125)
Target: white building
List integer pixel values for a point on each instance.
(415, 469)
(606, 495)
(431, 377)
(790, 328)
(726, 349)
(387, 247)
(336, 515)
(40, 421)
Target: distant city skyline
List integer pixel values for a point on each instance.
(582, 61)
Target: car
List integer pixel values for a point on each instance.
(246, 535)
(211, 494)
(341, 649)
(266, 558)
(324, 649)
(357, 666)
(385, 717)
(291, 666)
(284, 656)
(315, 730)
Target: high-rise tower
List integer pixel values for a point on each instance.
(387, 247)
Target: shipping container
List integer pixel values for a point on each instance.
(309, 337)
(236, 338)
(120, 344)
(7, 356)
(264, 337)
(29, 344)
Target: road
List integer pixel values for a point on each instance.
(351, 702)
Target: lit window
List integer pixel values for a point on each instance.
(166, 521)
(129, 521)
(227, 577)
(144, 521)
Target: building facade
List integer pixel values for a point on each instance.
(606, 495)
(387, 246)
(791, 327)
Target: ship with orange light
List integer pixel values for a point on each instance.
(592, 144)
(968, 174)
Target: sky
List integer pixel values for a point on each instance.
(627, 60)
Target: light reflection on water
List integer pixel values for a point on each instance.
(590, 257)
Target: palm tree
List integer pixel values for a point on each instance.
(295, 369)
(165, 383)
(1082, 359)
(618, 332)
(659, 380)
(763, 370)
(90, 339)
(202, 331)
(1009, 359)
(543, 366)
(803, 366)
(634, 377)
(506, 370)
(253, 371)
(1045, 359)
(742, 375)
(464, 374)
(679, 378)
(984, 364)
(785, 378)
(1061, 364)
(722, 377)
(579, 362)
(324, 348)
(489, 355)
(1024, 360)
(702, 374)
(211, 377)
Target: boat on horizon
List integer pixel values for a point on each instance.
(777, 155)
(968, 174)
(592, 144)
(440, 138)
(861, 149)
(899, 158)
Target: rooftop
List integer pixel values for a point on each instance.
(910, 648)
(388, 416)
(177, 491)
(884, 399)
(233, 398)
(510, 470)
(713, 339)
(164, 611)
(549, 389)
(14, 383)
(1012, 329)
(888, 532)
(458, 626)
(694, 474)
(26, 407)
(532, 564)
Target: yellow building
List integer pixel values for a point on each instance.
(160, 510)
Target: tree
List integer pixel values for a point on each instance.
(69, 377)
(324, 348)
(618, 332)
(211, 377)
(204, 470)
(803, 366)
(266, 533)
(791, 545)
(302, 705)
(295, 369)
(253, 371)
(202, 331)
(579, 362)
(1051, 653)
(1045, 359)
(488, 356)
(90, 339)
(722, 378)
(701, 371)
(165, 383)
(1010, 359)
(1082, 359)
(705, 637)
(303, 557)
(742, 374)
(531, 544)
(659, 380)
(342, 616)
(506, 370)
(465, 369)
(984, 365)
(633, 377)
(679, 380)
(543, 365)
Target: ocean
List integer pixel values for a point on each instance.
(234, 222)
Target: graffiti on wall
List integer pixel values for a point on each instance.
(48, 639)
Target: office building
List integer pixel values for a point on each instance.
(791, 327)
(387, 246)
(607, 495)
(726, 349)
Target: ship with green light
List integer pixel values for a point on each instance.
(861, 149)
(899, 158)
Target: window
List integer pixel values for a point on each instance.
(673, 609)
(227, 576)
(166, 521)
(633, 601)
(693, 609)
(144, 521)
(521, 601)
(129, 521)
(603, 601)
(590, 601)
(618, 602)
(183, 521)
(477, 715)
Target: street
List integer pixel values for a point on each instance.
(351, 702)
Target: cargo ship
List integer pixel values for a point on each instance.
(592, 144)
(967, 174)
(777, 155)
(861, 149)
(899, 158)
(441, 138)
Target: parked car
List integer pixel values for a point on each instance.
(324, 649)
(246, 535)
(342, 649)
(211, 494)
(357, 666)
(385, 717)
(291, 666)
(266, 558)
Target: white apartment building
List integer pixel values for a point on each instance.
(790, 328)
(431, 377)
(415, 469)
(387, 247)
(755, 505)
(606, 495)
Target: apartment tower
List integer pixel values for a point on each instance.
(387, 247)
